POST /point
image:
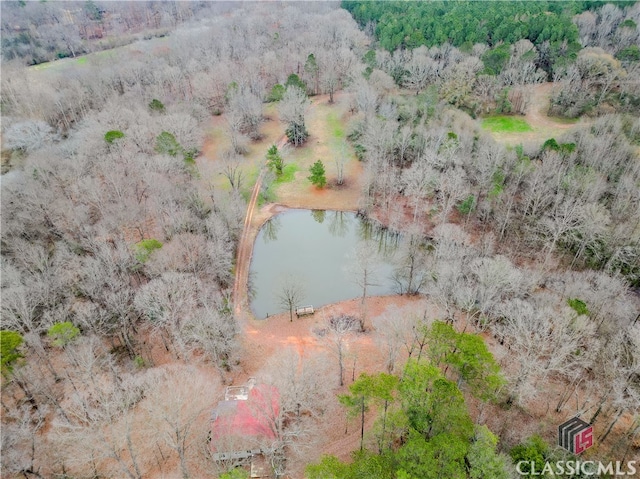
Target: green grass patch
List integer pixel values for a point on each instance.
(509, 124)
(267, 196)
(335, 125)
(288, 173)
(81, 60)
(250, 177)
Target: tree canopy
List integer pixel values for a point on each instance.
(433, 433)
(411, 24)
(10, 341)
(317, 176)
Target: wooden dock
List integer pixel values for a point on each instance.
(304, 310)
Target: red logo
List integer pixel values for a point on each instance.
(575, 435)
(583, 440)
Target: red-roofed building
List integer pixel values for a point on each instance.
(244, 420)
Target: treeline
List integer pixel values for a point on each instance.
(552, 27)
(411, 24)
(593, 78)
(37, 32)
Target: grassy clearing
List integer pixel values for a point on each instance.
(287, 176)
(327, 141)
(288, 173)
(335, 126)
(251, 173)
(506, 124)
(217, 142)
(336, 138)
(70, 63)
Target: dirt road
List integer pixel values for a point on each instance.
(243, 257)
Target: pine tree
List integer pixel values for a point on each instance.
(317, 176)
(274, 161)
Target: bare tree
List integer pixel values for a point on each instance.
(341, 159)
(417, 182)
(410, 274)
(303, 399)
(27, 135)
(231, 168)
(292, 111)
(397, 328)
(541, 341)
(451, 187)
(290, 292)
(422, 70)
(165, 302)
(244, 114)
(363, 270)
(212, 329)
(562, 218)
(335, 336)
(496, 280)
(20, 441)
(100, 433)
(366, 98)
(175, 400)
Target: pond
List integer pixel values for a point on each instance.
(328, 255)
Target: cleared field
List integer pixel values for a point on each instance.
(69, 63)
(327, 143)
(536, 126)
(507, 124)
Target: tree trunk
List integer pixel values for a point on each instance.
(362, 424)
(340, 360)
(603, 437)
(384, 427)
(566, 395)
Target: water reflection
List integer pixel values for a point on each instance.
(339, 222)
(270, 228)
(386, 239)
(318, 215)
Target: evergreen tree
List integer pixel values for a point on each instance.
(369, 388)
(311, 68)
(274, 161)
(292, 109)
(317, 176)
(297, 133)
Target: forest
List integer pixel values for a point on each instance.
(144, 144)
(41, 33)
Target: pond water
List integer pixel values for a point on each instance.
(326, 254)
